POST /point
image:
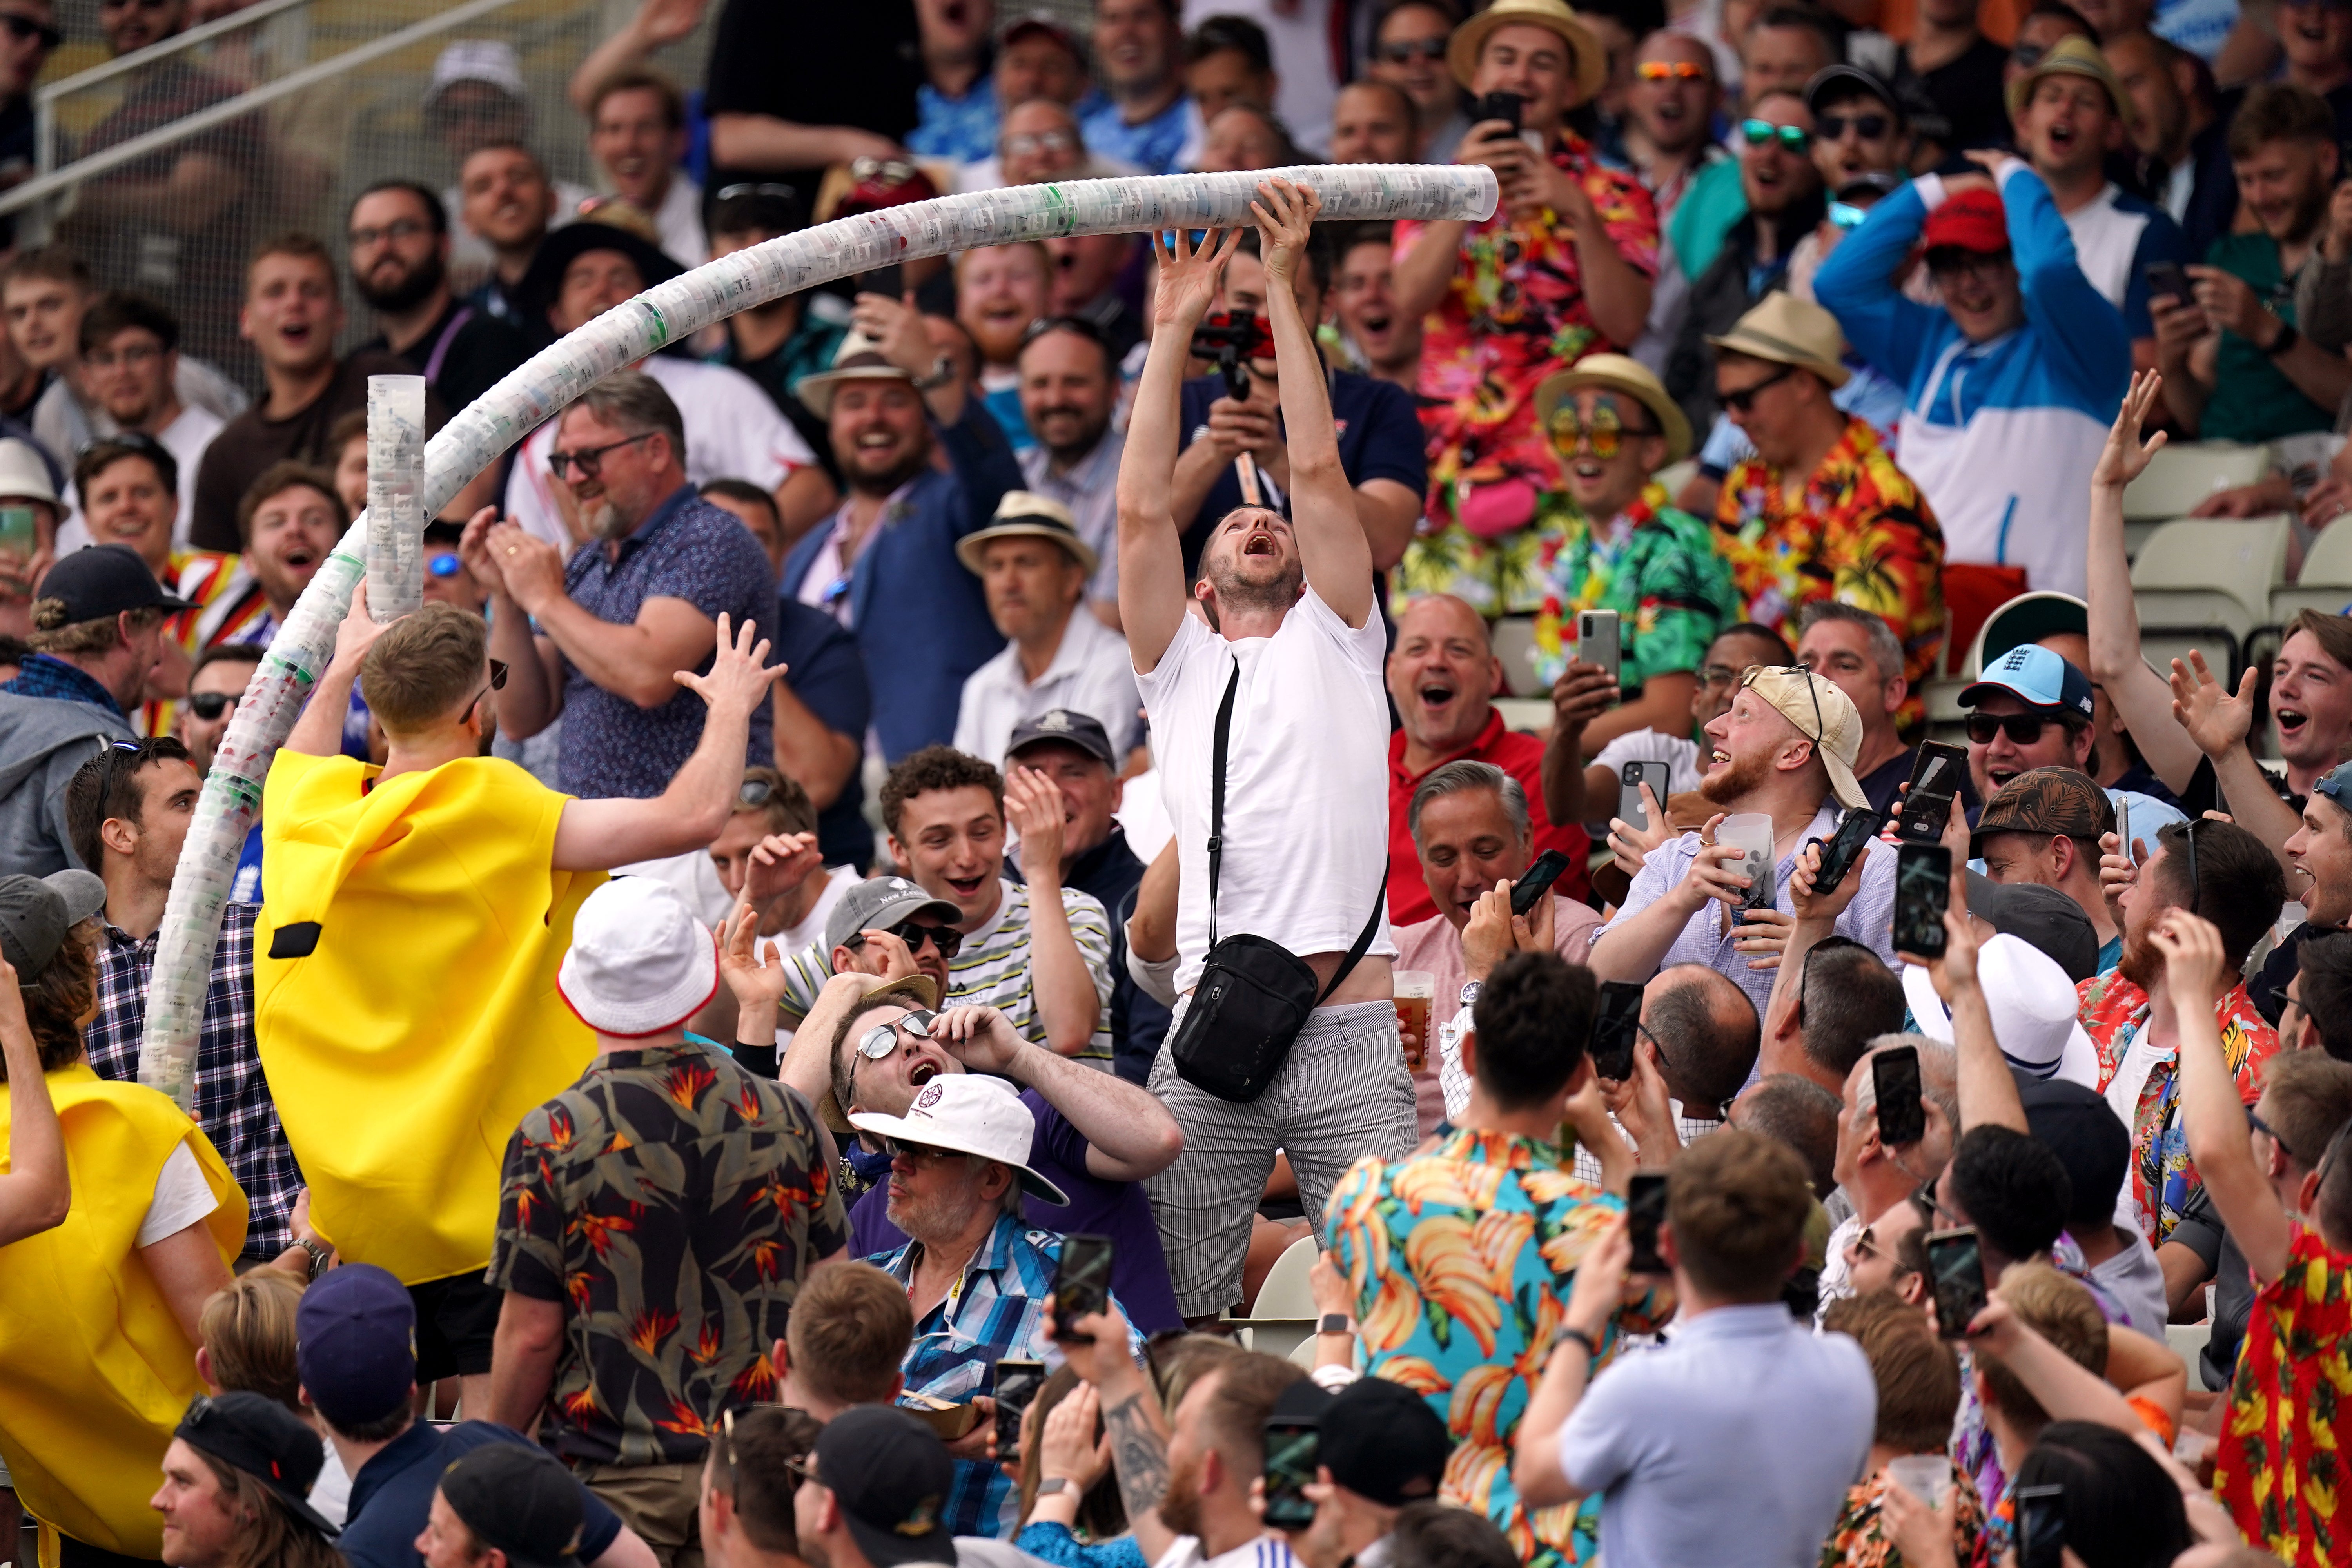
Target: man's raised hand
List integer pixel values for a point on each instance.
(1286, 217)
(1189, 280)
(2127, 457)
(740, 675)
(2213, 717)
(358, 629)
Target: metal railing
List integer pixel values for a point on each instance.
(163, 168)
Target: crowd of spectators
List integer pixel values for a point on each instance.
(789, 1013)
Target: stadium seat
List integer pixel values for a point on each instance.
(2326, 583)
(1514, 645)
(2185, 473)
(1283, 1317)
(2208, 572)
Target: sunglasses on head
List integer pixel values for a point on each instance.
(1820, 729)
(883, 1039)
(444, 566)
(1670, 70)
(1869, 127)
(1744, 400)
(1404, 51)
(1793, 138)
(2022, 728)
(1605, 434)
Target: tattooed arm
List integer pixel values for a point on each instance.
(1133, 1421)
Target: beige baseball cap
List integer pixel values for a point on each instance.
(1824, 715)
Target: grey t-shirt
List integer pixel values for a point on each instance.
(2200, 1230)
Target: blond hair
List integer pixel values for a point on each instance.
(247, 1327)
(2060, 1310)
(423, 666)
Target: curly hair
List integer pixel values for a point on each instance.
(55, 1001)
(937, 768)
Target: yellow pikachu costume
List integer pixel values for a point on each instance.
(404, 995)
(95, 1371)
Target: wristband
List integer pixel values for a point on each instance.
(1053, 1485)
(1579, 1337)
(2287, 338)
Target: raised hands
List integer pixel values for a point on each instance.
(780, 863)
(1286, 216)
(740, 675)
(1034, 810)
(2127, 457)
(1188, 280)
(2193, 958)
(754, 973)
(2214, 718)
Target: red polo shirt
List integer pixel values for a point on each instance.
(1521, 756)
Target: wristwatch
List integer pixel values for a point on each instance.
(1470, 989)
(1053, 1485)
(318, 1255)
(1335, 1323)
(943, 371)
(2287, 338)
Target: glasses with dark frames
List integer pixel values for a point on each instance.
(591, 460)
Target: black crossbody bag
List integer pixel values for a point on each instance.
(1254, 996)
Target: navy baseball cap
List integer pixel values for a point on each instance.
(1068, 726)
(253, 1433)
(891, 1475)
(355, 1344)
(101, 582)
(2035, 677)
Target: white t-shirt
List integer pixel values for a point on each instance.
(680, 221)
(182, 1197)
(732, 431)
(1268, 1551)
(186, 438)
(1307, 791)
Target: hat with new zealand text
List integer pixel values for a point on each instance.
(97, 582)
(1069, 727)
(891, 1475)
(253, 1433)
(2035, 677)
(880, 903)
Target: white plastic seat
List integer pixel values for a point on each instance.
(2326, 583)
(1285, 1293)
(2213, 573)
(2185, 472)
(1514, 639)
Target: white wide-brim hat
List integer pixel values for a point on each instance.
(2035, 1010)
(971, 1114)
(639, 962)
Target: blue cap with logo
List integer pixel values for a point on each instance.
(2035, 677)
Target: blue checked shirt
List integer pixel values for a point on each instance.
(1869, 920)
(45, 675)
(233, 1103)
(995, 1309)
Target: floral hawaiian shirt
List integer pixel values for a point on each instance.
(1863, 536)
(2280, 1467)
(1859, 1539)
(1655, 565)
(674, 1203)
(1461, 1260)
(2114, 1012)
(1515, 313)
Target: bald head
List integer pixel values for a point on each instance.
(1444, 675)
(1674, 111)
(1707, 1033)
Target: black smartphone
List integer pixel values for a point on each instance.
(1615, 1024)
(1017, 1382)
(2165, 280)
(1844, 847)
(1894, 1080)
(1293, 1451)
(1645, 1207)
(1081, 1280)
(1926, 806)
(2040, 1526)
(1956, 1273)
(1923, 890)
(888, 281)
(1503, 106)
(1630, 779)
(1536, 880)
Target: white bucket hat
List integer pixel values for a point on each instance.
(639, 962)
(2034, 1010)
(971, 1115)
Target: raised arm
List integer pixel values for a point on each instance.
(38, 1189)
(2138, 693)
(1152, 590)
(1857, 284)
(598, 835)
(1130, 1134)
(2219, 721)
(2211, 1114)
(318, 732)
(1332, 548)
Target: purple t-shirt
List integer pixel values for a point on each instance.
(1119, 1210)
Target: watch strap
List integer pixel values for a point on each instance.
(1053, 1485)
(1335, 1323)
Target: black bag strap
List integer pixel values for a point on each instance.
(1218, 748)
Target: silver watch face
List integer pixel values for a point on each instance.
(1470, 989)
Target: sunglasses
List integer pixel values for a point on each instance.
(920, 1153)
(728, 192)
(947, 939)
(23, 28)
(1793, 138)
(883, 1039)
(1403, 51)
(209, 705)
(2028, 55)
(591, 460)
(2022, 728)
(1744, 400)
(1670, 70)
(1869, 127)
(1923, 1200)
(1605, 434)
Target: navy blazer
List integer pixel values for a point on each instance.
(918, 616)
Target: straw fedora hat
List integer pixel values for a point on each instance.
(1584, 48)
(1789, 330)
(2076, 56)
(1621, 373)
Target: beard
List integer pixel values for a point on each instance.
(883, 481)
(928, 1219)
(1091, 434)
(1235, 592)
(1180, 1505)
(2142, 962)
(411, 290)
(1736, 782)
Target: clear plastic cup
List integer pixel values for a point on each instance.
(1927, 1476)
(1751, 831)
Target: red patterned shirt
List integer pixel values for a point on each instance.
(2280, 1468)
(2115, 1015)
(1861, 534)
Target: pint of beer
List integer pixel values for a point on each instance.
(1416, 989)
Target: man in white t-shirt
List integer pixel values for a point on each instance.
(732, 428)
(1285, 621)
(130, 365)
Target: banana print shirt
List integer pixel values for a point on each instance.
(2279, 1468)
(1461, 1260)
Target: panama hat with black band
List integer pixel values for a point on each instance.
(1024, 514)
